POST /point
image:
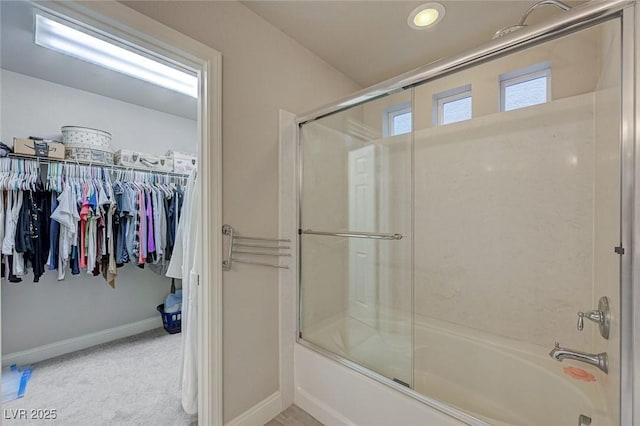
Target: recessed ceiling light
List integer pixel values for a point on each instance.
(426, 16)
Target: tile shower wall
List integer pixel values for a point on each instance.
(500, 245)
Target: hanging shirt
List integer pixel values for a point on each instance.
(11, 221)
(2, 219)
(54, 237)
(134, 227)
(92, 242)
(124, 244)
(66, 215)
(32, 235)
(112, 270)
(84, 217)
(142, 229)
(151, 247)
(18, 260)
(185, 264)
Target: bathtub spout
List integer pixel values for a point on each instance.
(599, 360)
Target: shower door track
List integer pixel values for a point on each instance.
(578, 18)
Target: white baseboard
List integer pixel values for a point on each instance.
(66, 346)
(260, 413)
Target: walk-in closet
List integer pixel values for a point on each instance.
(92, 293)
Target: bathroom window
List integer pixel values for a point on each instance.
(452, 106)
(397, 119)
(525, 87)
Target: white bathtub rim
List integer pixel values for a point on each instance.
(372, 375)
(523, 351)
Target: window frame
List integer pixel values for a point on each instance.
(448, 96)
(524, 75)
(393, 111)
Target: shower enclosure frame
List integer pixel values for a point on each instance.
(580, 17)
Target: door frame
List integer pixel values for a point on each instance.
(629, 220)
(130, 25)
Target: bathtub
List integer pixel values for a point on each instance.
(497, 381)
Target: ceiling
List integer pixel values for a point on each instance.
(370, 41)
(20, 54)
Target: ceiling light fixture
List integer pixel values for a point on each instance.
(70, 41)
(426, 16)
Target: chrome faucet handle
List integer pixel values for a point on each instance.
(580, 322)
(600, 316)
(595, 316)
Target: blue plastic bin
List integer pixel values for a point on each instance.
(172, 321)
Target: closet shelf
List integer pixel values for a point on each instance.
(92, 164)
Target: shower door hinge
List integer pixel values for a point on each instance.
(619, 250)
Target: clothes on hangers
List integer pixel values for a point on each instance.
(83, 220)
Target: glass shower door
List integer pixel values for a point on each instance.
(356, 235)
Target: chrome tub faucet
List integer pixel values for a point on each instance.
(599, 360)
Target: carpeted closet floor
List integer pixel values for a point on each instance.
(132, 381)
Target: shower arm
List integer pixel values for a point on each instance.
(556, 3)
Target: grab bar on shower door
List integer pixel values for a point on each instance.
(371, 235)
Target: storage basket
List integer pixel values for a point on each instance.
(172, 321)
(90, 155)
(142, 160)
(85, 137)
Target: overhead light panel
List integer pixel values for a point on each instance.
(425, 16)
(70, 41)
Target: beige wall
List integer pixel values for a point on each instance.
(263, 71)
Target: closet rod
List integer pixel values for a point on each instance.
(90, 164)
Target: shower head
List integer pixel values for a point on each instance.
(508, 30)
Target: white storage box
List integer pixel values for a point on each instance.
(90, 155)
(85, 137)
(182, 163)
(143, 160)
